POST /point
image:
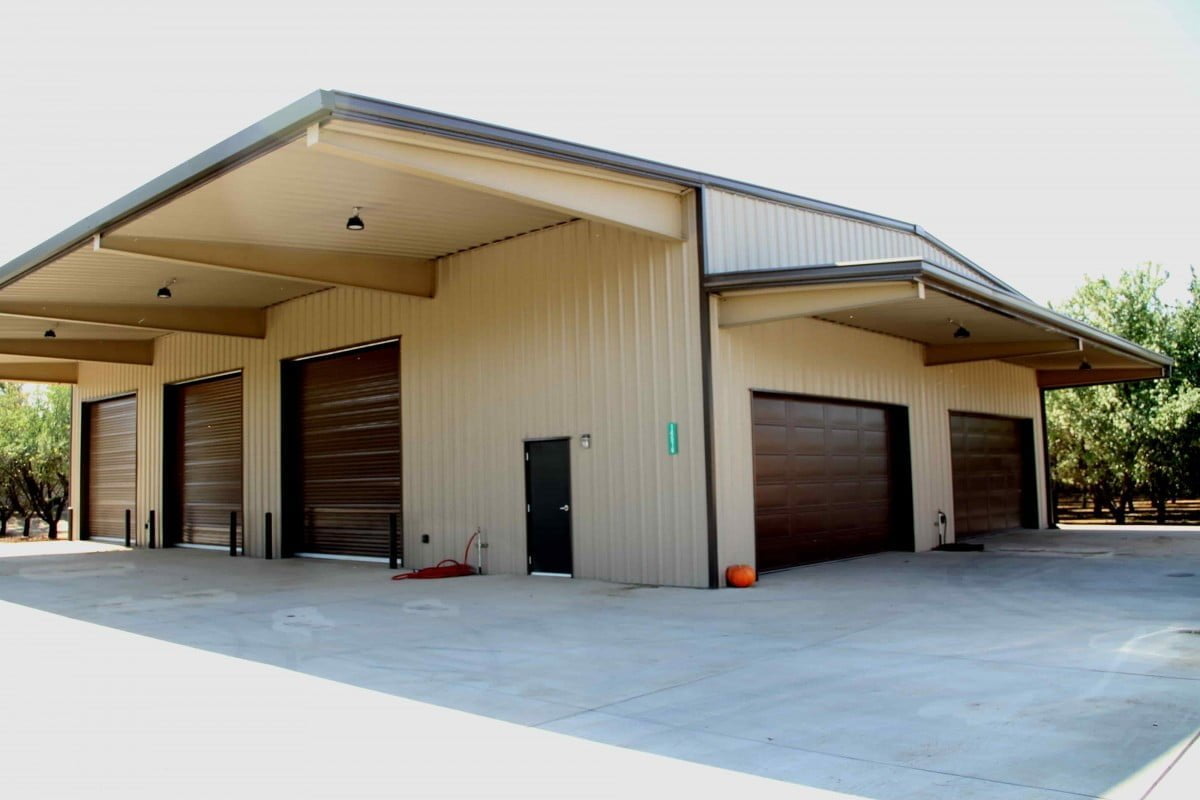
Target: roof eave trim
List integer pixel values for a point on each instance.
(266, 134)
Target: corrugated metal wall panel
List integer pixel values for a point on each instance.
(749, 233)
(806, 356)
(582, 328)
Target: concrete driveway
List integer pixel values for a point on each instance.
(1054, 665)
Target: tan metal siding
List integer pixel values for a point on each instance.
(748, 233)
(582, 328)
(806, 356)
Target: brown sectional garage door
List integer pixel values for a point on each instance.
(823, 480)
(992, 464)
(204, 460)
(110, 465)
(344, 434)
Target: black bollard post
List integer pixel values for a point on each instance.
(268, 544)
(393, 541)
(233, 533)
(150, 528)
(128, 528)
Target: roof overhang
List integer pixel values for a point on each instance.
(922, 302)
(261, 218)
(257, 220)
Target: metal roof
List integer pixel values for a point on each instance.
(291, 122)
(915, 269)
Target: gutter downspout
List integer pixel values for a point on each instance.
(706, 372)
(1051, 505)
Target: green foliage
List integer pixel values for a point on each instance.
(1117, 441)
(35, 431)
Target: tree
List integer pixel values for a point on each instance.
(34, 454)
(1120, 440)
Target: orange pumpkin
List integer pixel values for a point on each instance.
(740, 576)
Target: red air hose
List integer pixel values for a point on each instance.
(446, 568)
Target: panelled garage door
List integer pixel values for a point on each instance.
(824, 480)
(343, 451)
(110, 465)
(992, 461)
(204, 460)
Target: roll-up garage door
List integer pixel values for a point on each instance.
(992, 460)
(824, 486)
(344, 449)
(204, 460)
(110, 465)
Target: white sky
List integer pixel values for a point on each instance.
(1043, 139)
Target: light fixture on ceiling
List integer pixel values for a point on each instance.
(165, 292)
(1085, 364)
(355, 222)
(959, 331)
(50, 334)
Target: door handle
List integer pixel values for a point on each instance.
(564, 508)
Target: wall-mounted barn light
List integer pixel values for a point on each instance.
(1085, 364)
(50, 334)
(355, 222)
(165, 292)
(959, 331)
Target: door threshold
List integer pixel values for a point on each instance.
(212, 547)
(334, 557)
(552, 574)
(105, 539)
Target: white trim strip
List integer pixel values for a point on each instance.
(106, 540)
(351, 349)
(205, 378)
(553, 574)
(331, 557)
(215, 547)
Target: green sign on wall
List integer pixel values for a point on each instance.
(672, 438)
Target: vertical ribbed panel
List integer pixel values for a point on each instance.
(806, 356)
(748, 233)
(581, 328)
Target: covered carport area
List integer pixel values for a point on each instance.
(850, 433)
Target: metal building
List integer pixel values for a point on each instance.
(355, 312)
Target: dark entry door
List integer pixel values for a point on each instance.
(110, 465)
(548, 506)
(342, 451)
(825, 480)
(204, 461)
(992, 465)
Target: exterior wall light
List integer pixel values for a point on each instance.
(355, 222)
(50, 334)
(961, 333)
(165, 292)
(1085, 364)
(585, 441)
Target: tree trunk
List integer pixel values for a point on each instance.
(28, 521)
(1097, 505)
